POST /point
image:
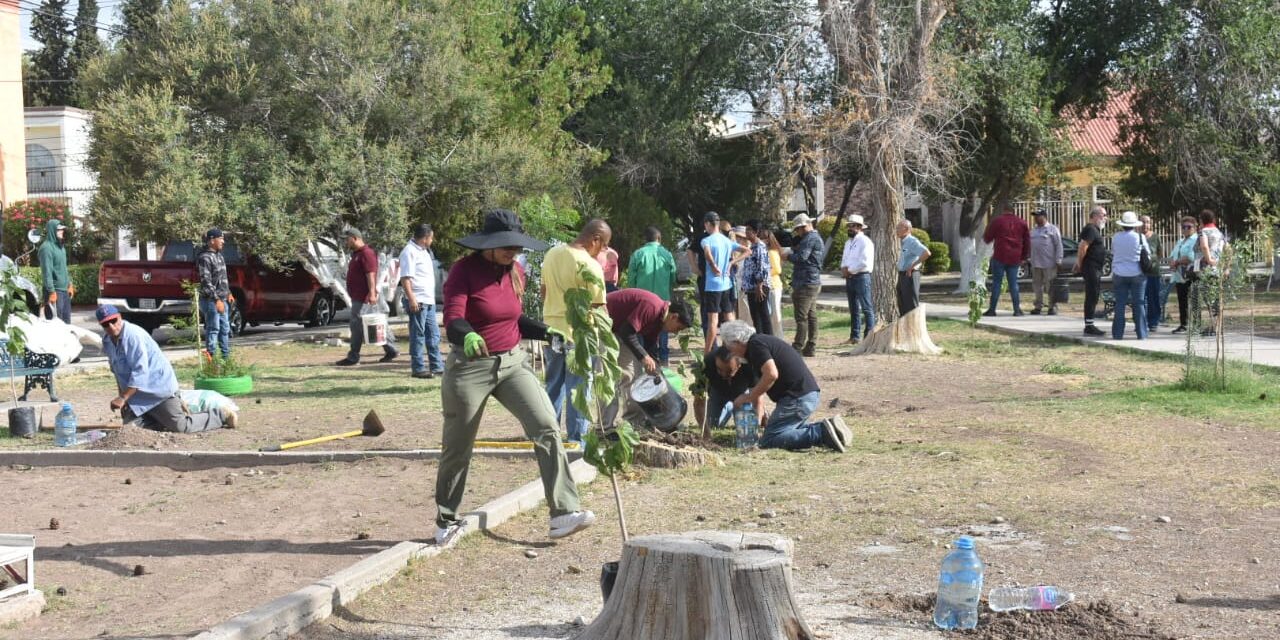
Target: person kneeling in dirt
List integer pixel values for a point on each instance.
(726, 380)
(145, 380)
(789, 383)
(639, 317)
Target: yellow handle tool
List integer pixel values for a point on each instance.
(506, 444)
(372, 427)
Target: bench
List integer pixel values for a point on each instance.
(36, 368)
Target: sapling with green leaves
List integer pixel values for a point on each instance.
(12, 305)
(595, 359)
(978, 291)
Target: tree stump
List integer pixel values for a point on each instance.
(705, 585)
(908, 334)
(665, 456)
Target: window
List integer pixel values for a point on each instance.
(1103, 194)
(43, 173)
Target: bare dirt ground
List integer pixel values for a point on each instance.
(213, 543)
(1161, 518)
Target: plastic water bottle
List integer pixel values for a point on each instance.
(90, 436)
(64, 427)
(744, 420)
(1042, 598)
(959, 587)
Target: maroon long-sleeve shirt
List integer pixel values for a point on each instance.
(482, 293)
(1012, 238)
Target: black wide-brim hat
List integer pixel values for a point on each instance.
(502, 228)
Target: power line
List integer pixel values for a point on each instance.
(31, 6)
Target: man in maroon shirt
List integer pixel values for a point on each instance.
(362, 277)
(1012, 239)
(639, 317)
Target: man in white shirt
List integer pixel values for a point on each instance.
(418, 278)
(1046, 255)
(856, 265)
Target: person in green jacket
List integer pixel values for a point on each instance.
(653, 269)
(53, 272)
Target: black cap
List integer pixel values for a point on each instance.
(212, 233)
(710, 217)
(1041, 212)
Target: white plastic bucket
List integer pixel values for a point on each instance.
(374, 326)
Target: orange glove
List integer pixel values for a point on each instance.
(222, 308)
(53, 297)
(71, 290)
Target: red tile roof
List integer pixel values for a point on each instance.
(1099, 136)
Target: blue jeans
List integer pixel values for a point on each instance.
(217, 327)
(62, 306)
(1154, 300)
(1000, 272)
(857, 288)
(560, 383)
(787, 428)
(424, 338)
(1129, 290)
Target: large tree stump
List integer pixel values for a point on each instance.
(664, 456)
(908, 334)
(705, 585)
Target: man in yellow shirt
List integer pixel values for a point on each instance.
(559, 274)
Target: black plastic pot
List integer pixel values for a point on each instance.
(608, 575)
(22, 422)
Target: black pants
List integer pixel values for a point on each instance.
(907, 298)
(1184, 296)
(1092, 290)
(760, 317)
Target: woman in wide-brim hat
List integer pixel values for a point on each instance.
(484, 323)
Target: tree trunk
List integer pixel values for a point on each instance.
(908, 334)
(665, 456)
(700, 586)
(886, 212)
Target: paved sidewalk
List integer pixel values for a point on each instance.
(1262, 351)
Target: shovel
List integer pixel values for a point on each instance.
(372, 427)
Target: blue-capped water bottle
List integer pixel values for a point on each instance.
(959, 587)
(745, 423)
(64, 427)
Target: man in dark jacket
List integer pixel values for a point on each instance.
(215, 294)
(55, 278)
(1012, 239)
(806, 259)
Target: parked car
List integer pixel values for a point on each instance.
(149, 292)
(1066, 267)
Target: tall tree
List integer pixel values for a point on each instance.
(52, 29)
(138, 20)
(285, 121)
(87, 45)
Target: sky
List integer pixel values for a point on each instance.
(108, 15)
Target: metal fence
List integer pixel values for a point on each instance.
(1072, 215)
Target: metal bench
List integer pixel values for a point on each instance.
(36, 368)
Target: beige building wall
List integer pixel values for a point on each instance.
(13, 146)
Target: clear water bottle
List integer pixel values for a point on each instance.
(64, 427)
(744, 421)
(959, 587)
(90, 436)
(1041, 598)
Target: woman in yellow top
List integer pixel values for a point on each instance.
(775, 279)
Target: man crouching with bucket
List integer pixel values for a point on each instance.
(639, 317)
(783, 375)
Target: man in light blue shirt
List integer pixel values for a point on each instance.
(418, 279)
(717, 293)
(148, 388)
(1128, 283)
(913, 256)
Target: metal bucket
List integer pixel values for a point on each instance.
(661, 404)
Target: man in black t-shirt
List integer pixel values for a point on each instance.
(785, 378)
(1091, 257)
(726, 380)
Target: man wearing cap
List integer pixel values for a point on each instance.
(362, 276)
(53, 272)
(215, 294)
(856, 265)
(805, 256)
(718, 251)
(1012, 240)
(1046, 254)
(1091, 258)
(561, 272)
(418, 279)
(146, 385)
(639, 317)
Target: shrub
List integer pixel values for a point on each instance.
(940, 258)
(826, 229)
(922, 236)
(83, 276)
(24, 215)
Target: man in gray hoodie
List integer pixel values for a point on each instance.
(55, 278)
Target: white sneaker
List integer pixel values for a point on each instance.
(843, 434)
(571, 523)
(831, 435)
(446, 536)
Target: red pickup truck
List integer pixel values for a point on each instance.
(149, 292)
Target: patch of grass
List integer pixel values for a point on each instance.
(1244, 397)
(1061, 368)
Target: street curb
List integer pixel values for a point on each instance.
(200, 460)
(289, 614)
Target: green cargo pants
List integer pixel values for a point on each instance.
(465, 390)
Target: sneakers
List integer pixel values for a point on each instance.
(571, 523)
(1090, 330)
(843, 434)
(809, 351)
(1180, 329)
(426, 375)
(1053, 311)
(446, 536)
(389, 356)
(230, 419)
(346, 362)
(1035, 312)
(989, 313)
(1017, 313)
(831, 434)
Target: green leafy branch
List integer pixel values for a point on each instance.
(978, 291)
(12, 304)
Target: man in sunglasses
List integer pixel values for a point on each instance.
(148, 388)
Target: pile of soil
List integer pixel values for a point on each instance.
(130, 437)
(1077, 621)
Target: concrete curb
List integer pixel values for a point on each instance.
(287, 615)
(198, 460)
